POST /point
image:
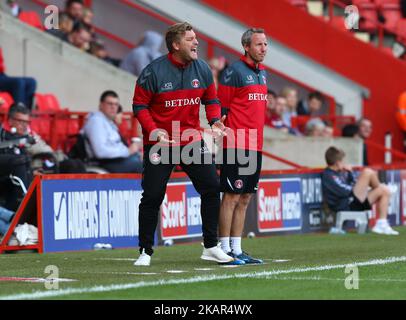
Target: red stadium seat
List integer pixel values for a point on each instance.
(338, 22)
(387, 50)
(401, 30)
(47, 102)
(369, 16)
(31, 18)
(301, 4)
(391, 13)
(380, 3)
(8, 101)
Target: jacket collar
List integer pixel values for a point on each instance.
(252, 65)
(176, 63)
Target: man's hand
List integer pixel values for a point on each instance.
(133, 148)
(219, 129)
(347, 167)
(163, 137)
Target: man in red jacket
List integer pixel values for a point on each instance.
(243, 94)
(22, 89)
(167, 101)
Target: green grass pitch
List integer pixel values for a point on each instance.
(309, 266)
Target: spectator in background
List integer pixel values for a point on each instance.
(65, 26)
(87, 17)
(217, 66)
(275, 120)
(315, 127)
(104, 142)
(365, 131)
(143, 54)
(290, 94)
(343, 192)
(22, 89)
(11, 7)
(311, 106)
(350, 130)
(74, 8)
(6, 216)
(43, 157)
(98, 50)
(328, 131)
(270, 105)
(80, 37)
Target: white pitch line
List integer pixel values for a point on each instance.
(317, 278)
(141, 284)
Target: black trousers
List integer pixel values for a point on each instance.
(155, 178)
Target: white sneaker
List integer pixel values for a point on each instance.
(384, 229)
(143, 260)
(216, 254)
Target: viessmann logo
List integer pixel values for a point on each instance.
(279, 205)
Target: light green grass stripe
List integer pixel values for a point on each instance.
(141, 284)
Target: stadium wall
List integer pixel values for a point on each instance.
(74, 212)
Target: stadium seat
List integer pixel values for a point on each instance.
(8, 101)
(301, 4)
(391, 13)
(339, 22)
(360, 218)
(387, 50)
(47, 102)
(369, 16)
(401, 30)
(31, 18)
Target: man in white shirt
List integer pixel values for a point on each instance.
(104, 142)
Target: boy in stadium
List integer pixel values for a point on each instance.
(345, 193)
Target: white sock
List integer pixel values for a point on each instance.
(381, 222)
(225, 244)
(236, 245)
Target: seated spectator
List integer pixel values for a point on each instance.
(22, 89)
(11, 7)
(74, 9)
(290, 94)
(98, 50)
(270, 105)
(315, 127)
(350, 130)
(328, 132)
(143, 54)
(65, 27)
(14, 160)
(217, 66)
(275, 121)
(103, 140)
(80, 37)
(345, 193)
(6, 216)
(364, 132)
(43, 157)
(87, 19)
(311, 106)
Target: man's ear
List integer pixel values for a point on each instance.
(175, 46)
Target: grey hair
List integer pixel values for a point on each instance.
(247, 35)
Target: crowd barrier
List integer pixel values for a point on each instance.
(74, 212)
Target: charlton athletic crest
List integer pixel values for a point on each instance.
(195, 83)
(238, 184)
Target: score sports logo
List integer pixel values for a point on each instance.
(279, 205)
(180, 212)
